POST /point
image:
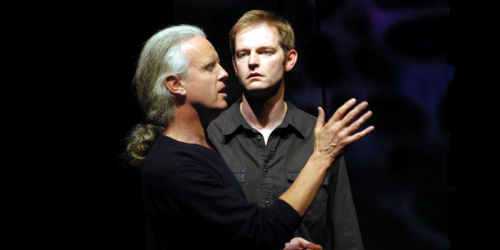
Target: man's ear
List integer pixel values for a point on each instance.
(174, 85)
(291, 59)
(234, 66)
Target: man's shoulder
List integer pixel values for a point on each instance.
(167, 151)
(217, 125)
(307, 117)
(302, 119)
(215, 129)
(225, 123)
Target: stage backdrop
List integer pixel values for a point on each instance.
(392, 54)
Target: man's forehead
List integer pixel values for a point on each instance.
(262, 25)
(187, 46)
(195, 44)
(199, 48)
(253, 36)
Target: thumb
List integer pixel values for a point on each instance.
(321, 119)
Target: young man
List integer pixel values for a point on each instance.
(266, 141)
(191, 198)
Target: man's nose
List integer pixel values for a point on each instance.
(223, 74)
(253, 61)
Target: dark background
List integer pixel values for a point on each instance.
(390, 53)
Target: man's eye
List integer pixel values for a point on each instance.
(240, 55)
(210, 67)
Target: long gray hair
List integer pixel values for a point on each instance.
(161, 56)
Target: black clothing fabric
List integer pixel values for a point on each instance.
(266, 171)
(193, 201)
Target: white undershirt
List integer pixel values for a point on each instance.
(266, 132)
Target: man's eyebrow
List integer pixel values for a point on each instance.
(212, 62)
(259, 48)
(242, 49)
(267, 47)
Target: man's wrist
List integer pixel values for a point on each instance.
(320, 160)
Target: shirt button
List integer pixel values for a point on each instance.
(259, 138)
(267, 202)
(265, 170)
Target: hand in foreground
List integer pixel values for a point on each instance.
(301, 244)
(331, 138)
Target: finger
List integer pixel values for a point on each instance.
(320, 122)
(359, 135)
(337, 116)
(301, 241)
(354, 113)
(355, 125)
(289, 246)
(312, 246)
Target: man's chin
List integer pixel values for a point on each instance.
(260, 93)
(224, 107)
(221, 106)
(256, 86)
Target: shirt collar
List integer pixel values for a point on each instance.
(234, 119)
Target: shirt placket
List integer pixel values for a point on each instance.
(267, 152)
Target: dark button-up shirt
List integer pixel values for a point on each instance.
(266, 171)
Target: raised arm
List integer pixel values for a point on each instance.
(329, 141)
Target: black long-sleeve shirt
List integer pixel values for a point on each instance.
(193, 201)
(266, 171)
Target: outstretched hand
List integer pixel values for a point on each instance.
(301, 244)
(331, 138)
(329, 141)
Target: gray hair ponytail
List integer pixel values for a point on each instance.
(161, 56)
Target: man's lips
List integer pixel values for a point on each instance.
(222, 91)
(252, 75)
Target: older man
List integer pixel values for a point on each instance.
(266, 141)
(191, 198)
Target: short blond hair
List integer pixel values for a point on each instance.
(254, 18)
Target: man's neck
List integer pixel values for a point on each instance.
(264, 114)
(187, 126)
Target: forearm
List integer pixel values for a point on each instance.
(305, 188)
